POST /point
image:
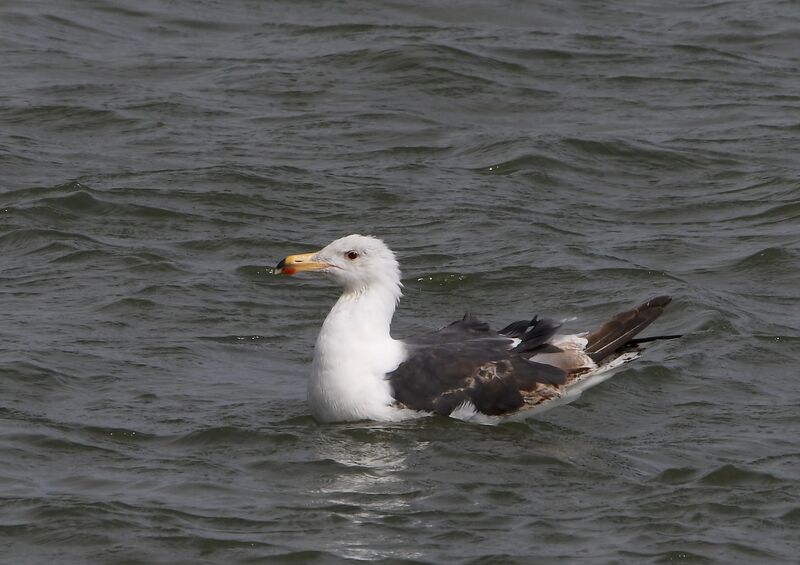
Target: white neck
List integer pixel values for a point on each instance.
(354, 352)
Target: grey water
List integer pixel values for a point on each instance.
(562, 158)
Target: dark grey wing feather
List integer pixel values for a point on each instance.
(467, 362)
(517, 329)
(468, 327)
(538, 332)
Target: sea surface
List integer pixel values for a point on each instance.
(562, 158)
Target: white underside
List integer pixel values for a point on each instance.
(353, 354)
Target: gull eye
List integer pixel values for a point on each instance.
(352, 255)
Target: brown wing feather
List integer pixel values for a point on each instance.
(620, 329)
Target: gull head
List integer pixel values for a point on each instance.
(356, 262)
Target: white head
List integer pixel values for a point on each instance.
(356, 262)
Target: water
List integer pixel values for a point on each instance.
(568, 159)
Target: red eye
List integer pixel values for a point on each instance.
(352, 255)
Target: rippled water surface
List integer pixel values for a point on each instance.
(562, 158)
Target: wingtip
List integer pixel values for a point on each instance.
(658, 301)
(623, 327)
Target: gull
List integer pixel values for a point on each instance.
(464, 370)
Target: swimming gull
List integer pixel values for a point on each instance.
(464, 370)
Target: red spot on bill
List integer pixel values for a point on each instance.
(288, 271)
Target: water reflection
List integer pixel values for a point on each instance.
(375, 456)
(372, 483)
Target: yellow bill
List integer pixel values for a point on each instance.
(297, 263)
